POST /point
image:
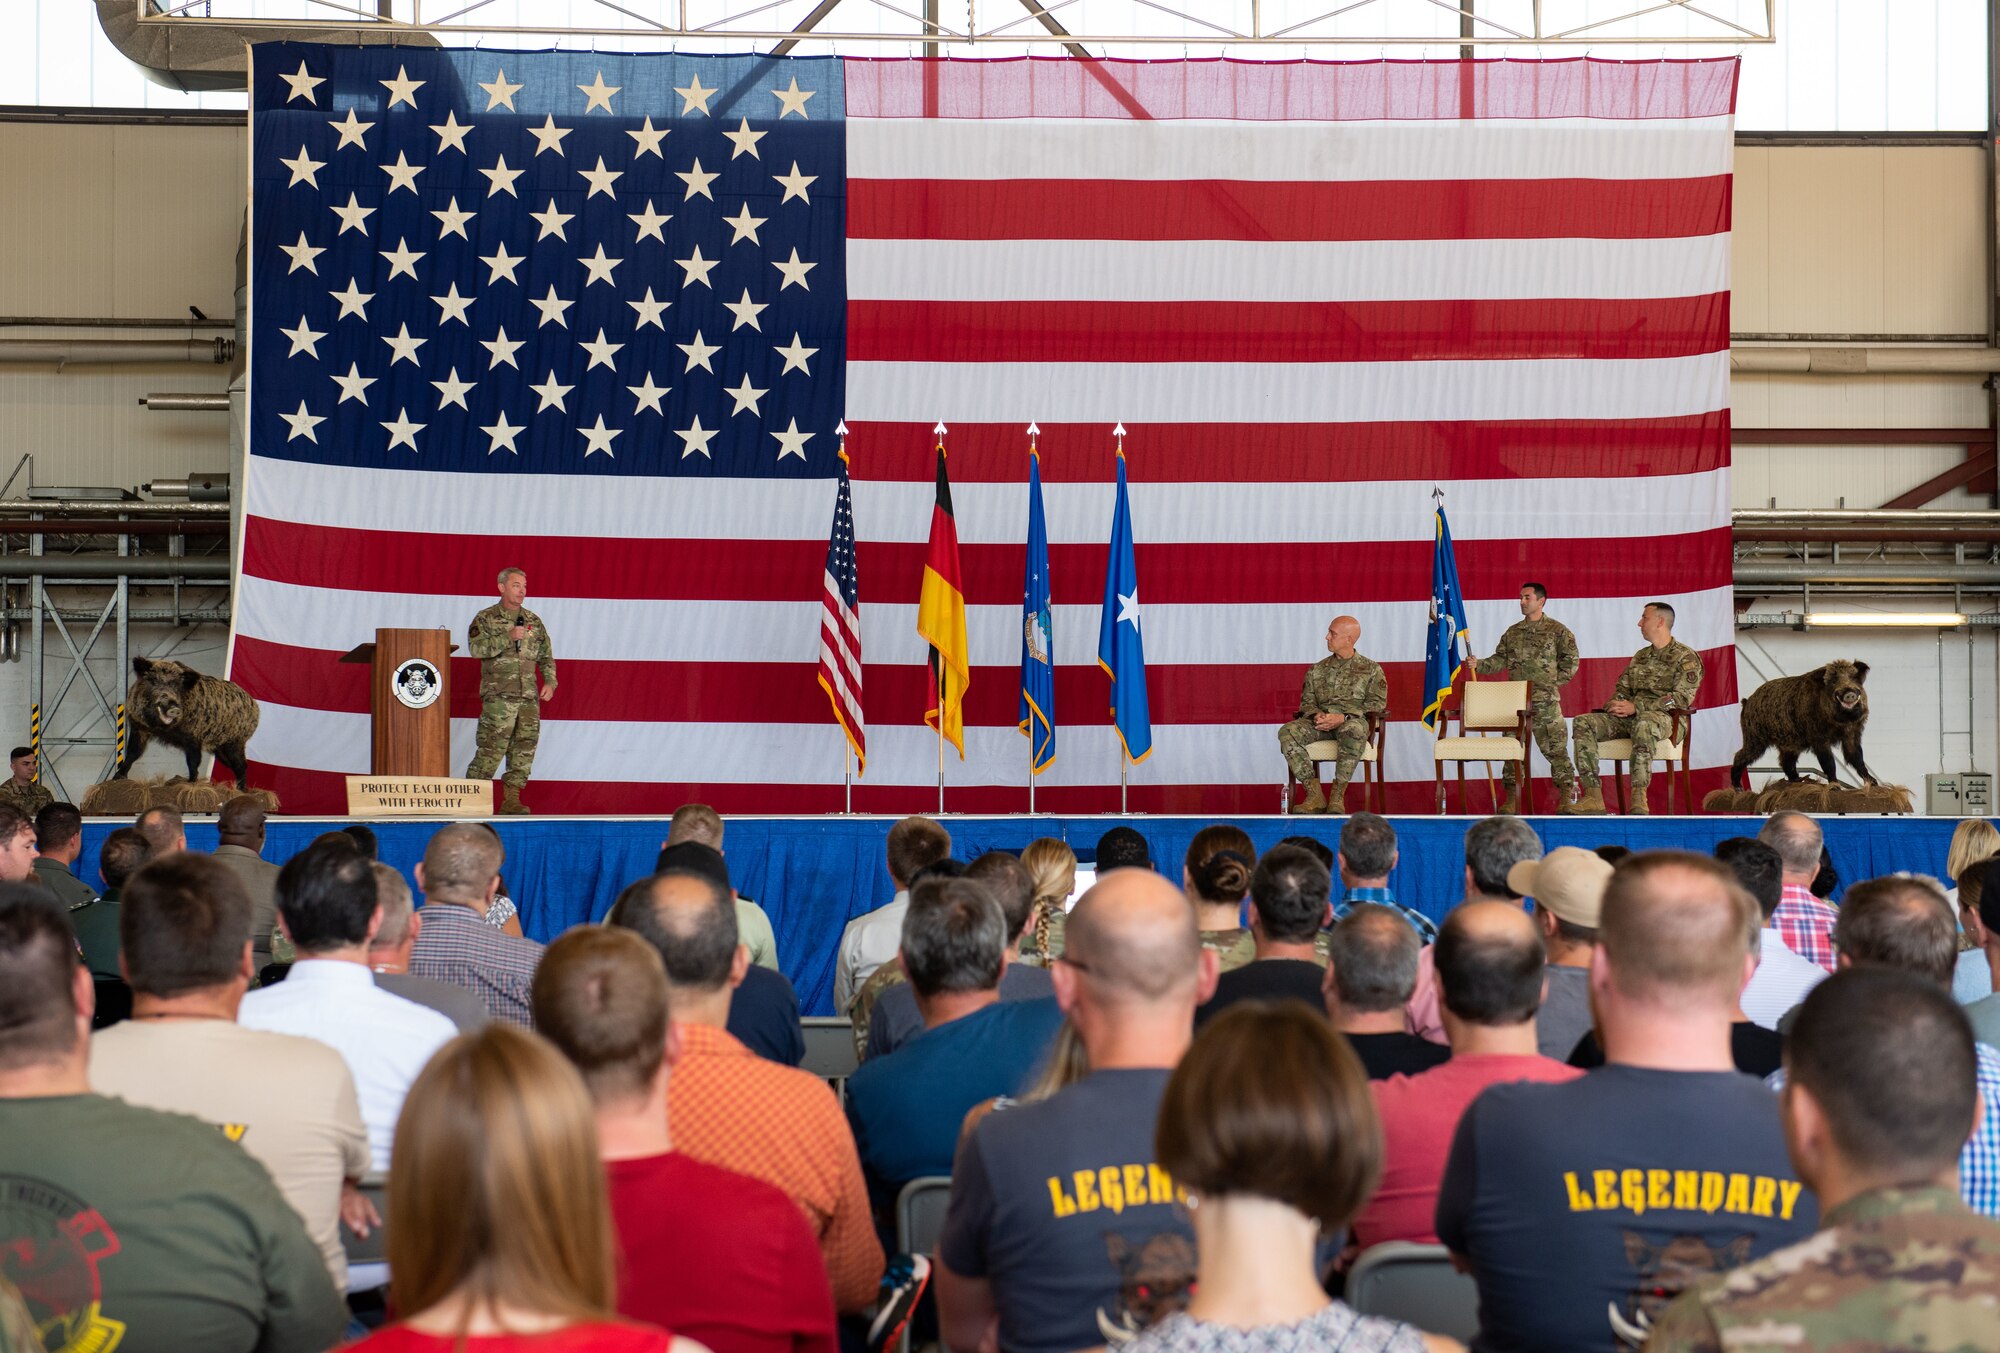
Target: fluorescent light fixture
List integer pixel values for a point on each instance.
(1884, 619)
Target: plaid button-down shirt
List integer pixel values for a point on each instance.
(457, 946)
(1427, 931)
(1979, 1161)
(1806, 925)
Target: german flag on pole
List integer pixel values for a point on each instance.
(941, 617)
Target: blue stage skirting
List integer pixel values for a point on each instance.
(813, 874)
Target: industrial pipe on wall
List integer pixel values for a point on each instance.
(1755, 573)
(99, 351)
(176, 402)
(111, 566)
(1911, 361)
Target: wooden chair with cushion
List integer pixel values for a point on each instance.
(1676, 753)
(1326, 751)
(1492, 718)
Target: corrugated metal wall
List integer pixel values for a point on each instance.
(124, 222)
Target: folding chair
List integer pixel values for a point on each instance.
(830, 1051)
(1374, 789)
(1676, 752)
(372, 1248)
(1492, 719)
(1417, 1284)
(920, 1209)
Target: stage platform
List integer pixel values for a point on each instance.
(812, 874)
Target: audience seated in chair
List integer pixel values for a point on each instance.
(906, 1107)
(502, 1230)
(164, 829)
(327, 905)
(1903, 922)
(764, 1011)
(1266, 1128)
(17, 845)
(290, 1101)
(389, 956)
(58, 843)
(720, 1257)
(1490, 976)
(1371, 971)
(460, 876)
(701, 825)
(1290, 892)
(1063, 1231)
(1366, 857)
(1782, 978)
(1801, 918)
(1216, 878)
(1582, 1209)
(895, 1019)
(870, 941)
(1879, 1104)
(107, 1200)
(1493, 846)
(240, 835)
(732, 1108)
(96, 925)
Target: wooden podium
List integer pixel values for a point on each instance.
(409, 701)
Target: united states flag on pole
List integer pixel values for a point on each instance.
(598, 316)
(840, 625)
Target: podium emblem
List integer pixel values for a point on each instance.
(417, 684)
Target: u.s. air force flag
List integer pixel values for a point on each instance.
(1038, 671)
(1447, 627)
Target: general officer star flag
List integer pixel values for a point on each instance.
(598, 315)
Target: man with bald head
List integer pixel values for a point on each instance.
(1055, 1203)
(240, 832)
(732, 1108)
(1802, 920)
(460, 876)
(1583, 1209)
(1490, 983)
(1342, 692)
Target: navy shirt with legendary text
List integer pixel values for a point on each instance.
(1585, 1208)
(1061, 1207)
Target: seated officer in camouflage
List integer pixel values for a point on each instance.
(21, 789)
(1879, 1099)
(1541, 652)
(1661, 676)
(512, 644)
(1340, 694)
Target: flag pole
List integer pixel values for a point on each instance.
(937, 660)
(1124, 752)
(1034, 431)
(846, 744)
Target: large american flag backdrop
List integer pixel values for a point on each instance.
(598, 317)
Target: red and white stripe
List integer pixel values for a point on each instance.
(1309, 291)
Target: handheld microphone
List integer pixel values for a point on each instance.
(520, 621)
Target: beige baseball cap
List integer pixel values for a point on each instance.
(1568, 881)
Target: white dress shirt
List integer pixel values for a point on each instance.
(1781, 981)
(866, 944)
(384, 1039)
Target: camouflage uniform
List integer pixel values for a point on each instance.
(30, 798)
(1656, 678)
(510, 716)
(1541, 652)
(1351, 686)
(1895, 1268)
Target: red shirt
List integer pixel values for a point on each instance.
(597, 1336)
(719, 1257)
(1419, 1115)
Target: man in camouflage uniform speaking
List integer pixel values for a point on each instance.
(1340, 693)
(1879, 1099)
(512, 644)
(1662, 676)
(1541, 652)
